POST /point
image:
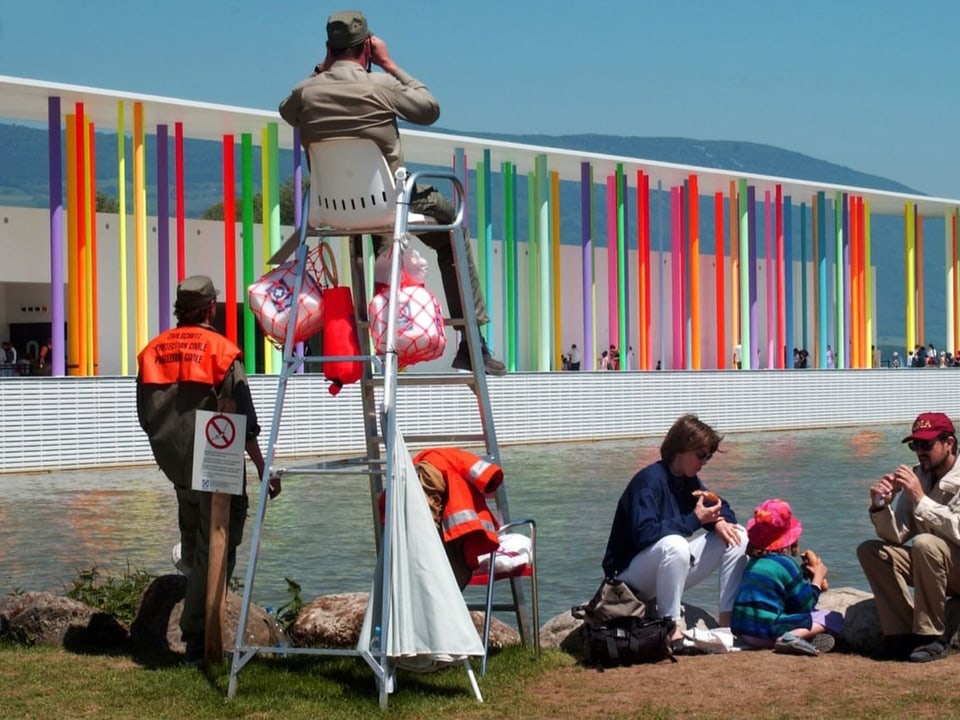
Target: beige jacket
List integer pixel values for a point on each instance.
(938, 512)
(348, 101)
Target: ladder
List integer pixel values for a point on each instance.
(390, 207)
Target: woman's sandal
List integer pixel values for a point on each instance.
(936, 650)
(790, 644)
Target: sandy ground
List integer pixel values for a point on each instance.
(754, 684)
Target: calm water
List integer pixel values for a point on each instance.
(318, 532)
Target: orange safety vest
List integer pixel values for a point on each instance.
(466, 514)
(191, 353)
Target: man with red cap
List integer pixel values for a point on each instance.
(928, 513)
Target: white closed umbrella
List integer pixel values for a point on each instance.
(427, 624)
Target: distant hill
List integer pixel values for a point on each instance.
(744, 157)
(23, 182)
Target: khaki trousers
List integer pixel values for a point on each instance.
(931, 566)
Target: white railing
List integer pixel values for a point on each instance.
(62, 423)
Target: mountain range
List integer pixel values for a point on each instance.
(24, 182)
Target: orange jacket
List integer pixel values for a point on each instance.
(187, 354)
(466, 514)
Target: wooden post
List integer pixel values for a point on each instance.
(216, 578)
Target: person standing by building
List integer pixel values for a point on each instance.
(343, 98)
(188, 368)
(928, 514)
(574, 357)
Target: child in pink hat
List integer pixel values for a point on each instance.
(776, 603)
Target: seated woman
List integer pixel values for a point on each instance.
(654, 544)
(776, 603)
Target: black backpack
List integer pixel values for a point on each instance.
(627, 641)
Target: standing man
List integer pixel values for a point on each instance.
(188, 368)
(928, 512)
(574, 357)
(343, 98)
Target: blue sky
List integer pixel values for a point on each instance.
(870, 84)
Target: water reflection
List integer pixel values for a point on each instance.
(319, 531)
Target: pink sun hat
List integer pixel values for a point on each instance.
(773, 526)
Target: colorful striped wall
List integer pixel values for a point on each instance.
(680, 276)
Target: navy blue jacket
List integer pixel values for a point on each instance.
(655, 504)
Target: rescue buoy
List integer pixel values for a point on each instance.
(340, 338)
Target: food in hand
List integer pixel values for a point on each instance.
(709, 498)
(809, 558)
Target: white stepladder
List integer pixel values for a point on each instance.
(352, 193)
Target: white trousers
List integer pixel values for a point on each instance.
(674, 563)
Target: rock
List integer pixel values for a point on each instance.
(44, 618)
(157, 625)
(330, 621)
(561, 632)
(861, 624)
(334, 621)
(501, 634)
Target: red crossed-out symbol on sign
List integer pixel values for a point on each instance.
(220, 432)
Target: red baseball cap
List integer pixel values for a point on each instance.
(930, 426)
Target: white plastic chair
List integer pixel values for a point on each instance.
(483, 577)
(352, 188)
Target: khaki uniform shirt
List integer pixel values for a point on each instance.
(348, 101)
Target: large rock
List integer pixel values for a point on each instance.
(157, 625)
(334, 621)
(47, 619)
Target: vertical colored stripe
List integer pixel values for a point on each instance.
(514, 339)
(768, 263)
(588, 358)
(643, 230)
(920, 286)
(86, 261)
(841, 296)
(734, 219)
(509, 254)
(82, 209)
(544, 272)
(163, 226)
(179, 192)
(613, 318)
(72, 350)
(485, 229)
(623, 320)
(870, 289)
(273, 152)
(822, 280)
(92, 299)
(676, 264)
(719, 258)
(533, 253)
(55, 180)
(229, 240)
(804, 282)
(142, 326)
(555, 275)
(744, 259)
(910, 277)
(248, 248)
(789, 304)
(693, 213)
(780, 343)
(122, 230)
(751, 261)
